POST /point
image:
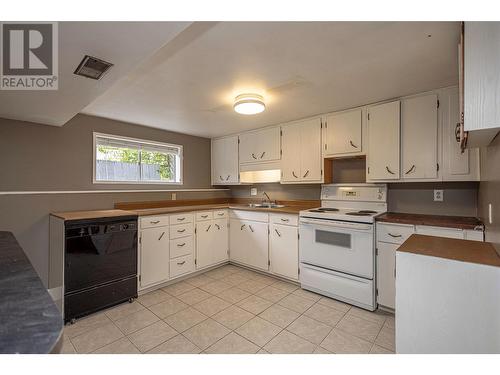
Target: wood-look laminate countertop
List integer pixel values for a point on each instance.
(93, 214)
(452, 248)
(458, 222)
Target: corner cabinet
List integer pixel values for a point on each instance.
(343, 133)
(301, 152)
(225, 166)
(284, 246)
(258, 146)
(212, 244)
(383, 155)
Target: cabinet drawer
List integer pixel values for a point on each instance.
(182, 230)
(204, 215)
(284, 219)
(181, 246)
(181, 266)
(249, 215)
(153, 221)
(394, 233)
(440, 231)
(181, 218)
(220, 214)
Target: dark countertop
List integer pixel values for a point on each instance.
(29, 320)
(458, 222)
(452, 248)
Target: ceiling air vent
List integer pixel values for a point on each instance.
(92, 67)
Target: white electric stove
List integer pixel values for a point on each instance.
(337, 243)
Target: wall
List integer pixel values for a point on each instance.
(37, 157)
(489, 189)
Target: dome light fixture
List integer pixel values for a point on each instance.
(249, 104)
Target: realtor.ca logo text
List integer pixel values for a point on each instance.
(29, 56)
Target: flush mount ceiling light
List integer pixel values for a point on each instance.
(249, 104)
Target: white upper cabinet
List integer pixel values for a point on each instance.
(301, 145)
(383, 142)
(260, 146)
(456, 165)
(225, 167)
(481, 81)
(343, 133)
(419, 138)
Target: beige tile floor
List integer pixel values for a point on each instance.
(232, 310)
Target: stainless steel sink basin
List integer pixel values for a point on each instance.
(266, 205)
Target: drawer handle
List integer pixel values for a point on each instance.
(181, 244)
(278, 233)
(204, 216)
(294, 175)
(161, 236)
(352, 144)
(250, 228)
(261, 156)
(220, 214)
(307, 172)
(155, 222)
(181, 230)
(181, 263)
(395, 235)
(411, 169)
(388, 170)
(208, 228)
(218, 226)
(243, 226)
(181, 218)
(285, 220)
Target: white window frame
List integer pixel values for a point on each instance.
(179, 166)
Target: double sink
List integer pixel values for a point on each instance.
(266, 205)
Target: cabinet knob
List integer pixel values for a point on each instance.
(181, 263)
(161, 236)
(243, 226)
(352, 144)
(218, 226)
(411, 169)
(395, 235)
(285, 220)
(294, 175)
(155, 221)
(181, 244)
(208, 228)
(253, 156)
(278, 233)
(305, 175)
(227, 178)
(388, 170)
(250, 228)
(180, 218)
(261, 156)
(181, 230)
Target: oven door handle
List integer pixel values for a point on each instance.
(340, 225)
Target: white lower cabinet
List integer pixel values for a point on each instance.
(386, 274)
(211, 242)
(284, 250)
(221, 241)
(248, 243)
(154, 256)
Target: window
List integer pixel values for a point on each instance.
(128, 160)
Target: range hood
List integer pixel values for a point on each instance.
(260, 173)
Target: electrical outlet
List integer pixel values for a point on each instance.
(253, 191)
(174, 196)
(438, 195)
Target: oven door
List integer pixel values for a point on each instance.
(337, 245)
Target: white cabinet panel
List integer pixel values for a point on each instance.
(384, 142)
(221, 241)
(419, 137)
(248, 241)
(439, 231)
(284, 250)
(225, 165)
(260, 146)
(474, 235)
(237, 244)
(301, 145)
(155, 256)
(343, 133)
(181, 266)
(181, 230)
(181, 246)
(153, 221)
(204, 244)
(386, 274)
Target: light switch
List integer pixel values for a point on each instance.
(253, 191)
(438, 195)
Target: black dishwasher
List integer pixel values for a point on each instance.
(100, 264)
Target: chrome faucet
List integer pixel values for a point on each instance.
(268, 198)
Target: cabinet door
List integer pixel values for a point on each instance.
(290, 164)
(419, 137)
(238, 241)
(218, 161)
(310, 150)
(386, 274)
(284, 250)
(231, 170)
(221, 241)
(257, 245)
(260, 146)
(155, 257)
(383, 141)
(343, 133)
(204, 243)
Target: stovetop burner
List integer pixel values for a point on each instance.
(324, 209)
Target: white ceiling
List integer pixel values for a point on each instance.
(125, 44)
(317, 67)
